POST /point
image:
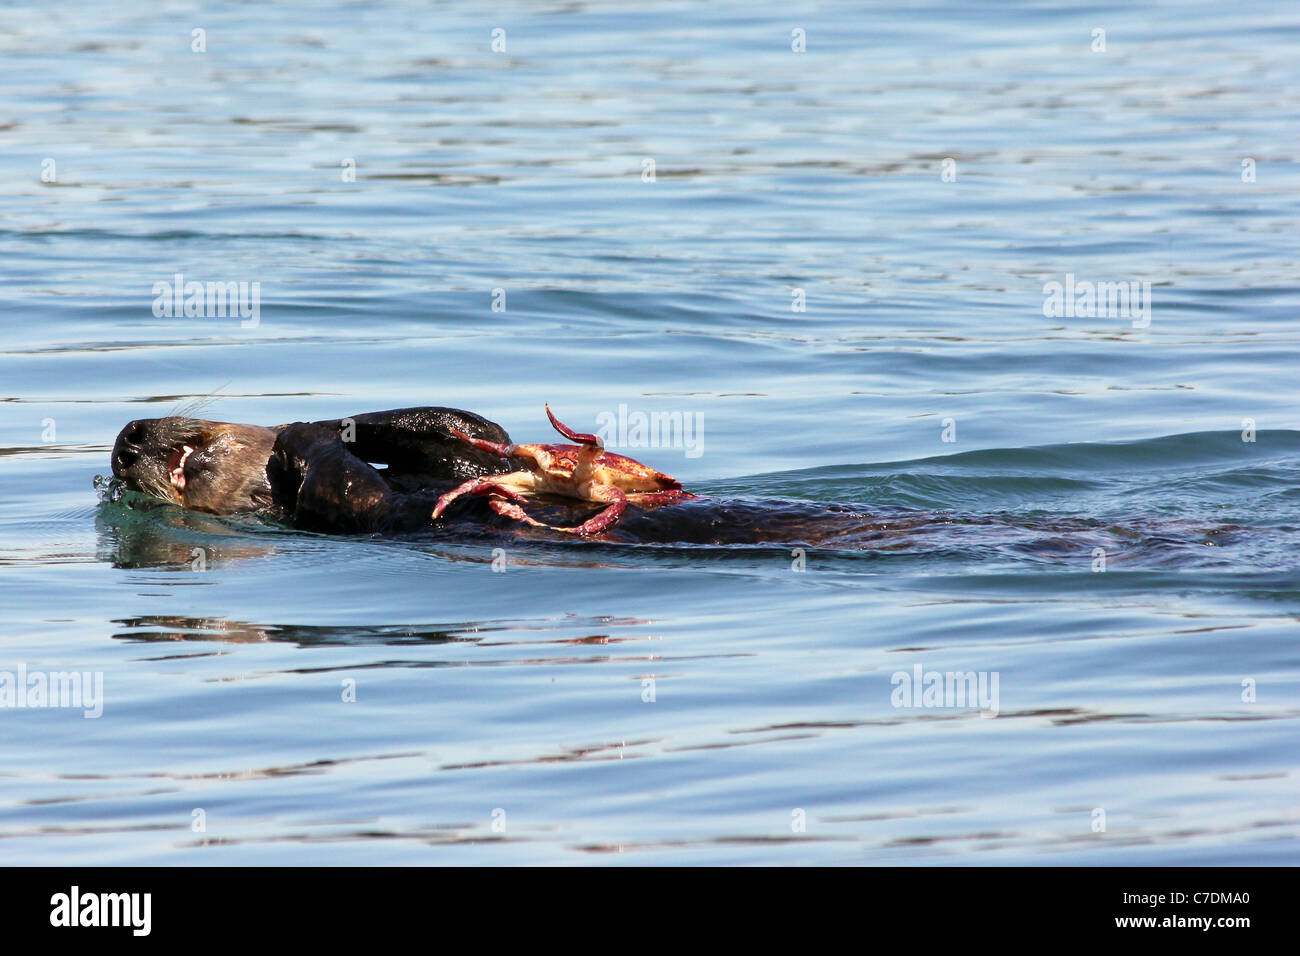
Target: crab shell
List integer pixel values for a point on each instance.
(572, 470)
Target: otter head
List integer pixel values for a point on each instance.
(216, 467)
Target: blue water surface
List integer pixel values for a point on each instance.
(833, 262)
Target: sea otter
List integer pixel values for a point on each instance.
(322, 476)
(436, 462)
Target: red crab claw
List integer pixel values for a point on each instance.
(582, 438)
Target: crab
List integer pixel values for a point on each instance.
(584, 471)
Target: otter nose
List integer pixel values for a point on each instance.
(130, 442)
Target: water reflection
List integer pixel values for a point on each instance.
(148, 534)
(158, 628)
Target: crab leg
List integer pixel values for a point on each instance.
(480, 486)
(491, 447)
(593, 525)
(513, 511)
(582, 438)
(605, 519)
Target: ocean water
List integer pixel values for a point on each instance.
(834, 264)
